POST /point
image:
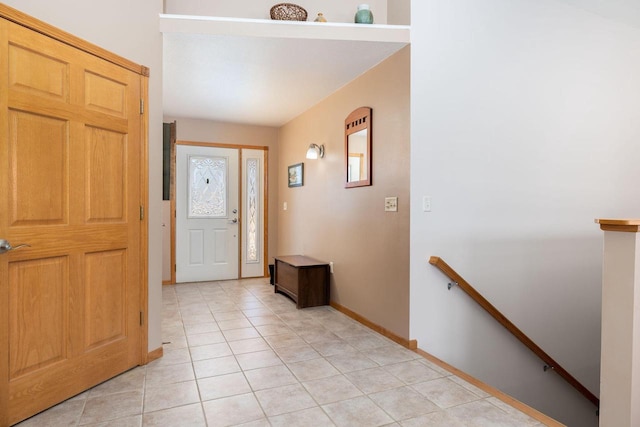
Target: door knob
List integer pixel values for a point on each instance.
(233, 221)
(5, 246)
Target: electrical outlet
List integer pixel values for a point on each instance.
(391, 204)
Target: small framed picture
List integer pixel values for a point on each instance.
(296, 175)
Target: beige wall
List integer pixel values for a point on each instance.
(368, 246)
(239, 134)
(399, 12)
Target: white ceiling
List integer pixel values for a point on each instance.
(256, 79)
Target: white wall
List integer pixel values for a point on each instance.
(525, 127)
(129, 29)
(333, 10)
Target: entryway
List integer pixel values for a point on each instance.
(219, 212)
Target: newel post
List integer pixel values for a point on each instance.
(620, 351)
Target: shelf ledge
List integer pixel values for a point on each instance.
(243, 27)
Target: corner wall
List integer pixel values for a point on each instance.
(525, 127)
(369, 247)
(129, 29)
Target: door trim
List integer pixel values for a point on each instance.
(265, 206)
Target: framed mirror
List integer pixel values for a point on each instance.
(357, 147)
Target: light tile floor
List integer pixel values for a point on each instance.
(235, 353)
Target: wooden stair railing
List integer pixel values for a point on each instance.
(495, 313)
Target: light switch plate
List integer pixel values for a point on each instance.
(391, 204)
(284, 206)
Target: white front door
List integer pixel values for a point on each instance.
(207, 218)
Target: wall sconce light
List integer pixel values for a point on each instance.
(315, 151)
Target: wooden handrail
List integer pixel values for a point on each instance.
(475, 295)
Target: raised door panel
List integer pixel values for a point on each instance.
(106, 170)
(37, 73)
(38, 188)
(38, 315)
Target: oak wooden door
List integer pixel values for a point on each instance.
(70, 138)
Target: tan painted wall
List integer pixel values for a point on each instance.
(232, 133)
(399, 12)
(369, 247)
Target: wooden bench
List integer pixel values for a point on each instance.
(305, 280)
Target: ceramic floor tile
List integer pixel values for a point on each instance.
(268, 330)
(331, 389)
(252, 350)
(218, 366)
(312, 369)
(173, 343)
(266, 320)
(225, 325)
(132, 380)
(198, 318)
(333, 347)
(62, 415)
(473, 389)
(445, 393)
(373, 380)
(249, 345)
(205, 339)
(201, 328)
(258, 359)
(257, 312)
(273, 376)
(241, 334)
(170, 396)
(524, 418)
(297, 354)
(210, 351)
(229, 411)
(412, 372)
(159, 375)
(403, 403)
(172, 357)
(482, 413)
(308, 417)
(284, 399)
(360, 411)
(189, 415)
(130, 421)
(223, 386)
(112, 406)
(349, 362)
(434, 419)
(391, 354)
(284, 340)
(228, 315)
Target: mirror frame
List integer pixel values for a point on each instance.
(359, 119)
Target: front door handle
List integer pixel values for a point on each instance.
(233, 221)
(5, 246)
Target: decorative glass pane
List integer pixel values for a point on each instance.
(253, 218)
(207, 187)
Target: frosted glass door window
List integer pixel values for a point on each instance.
(207, 187)
(253, 191)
